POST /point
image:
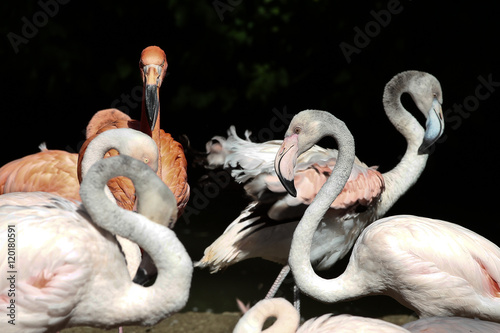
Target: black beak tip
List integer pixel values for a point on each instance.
(424, 148)
(290, 187)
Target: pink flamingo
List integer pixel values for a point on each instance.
(264, 229)
(70, 269)
(433, 267)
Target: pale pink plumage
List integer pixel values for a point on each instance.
(452, 325)
(69, 269)
(434, 267)
(264, 229)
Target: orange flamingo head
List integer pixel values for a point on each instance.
(153, 65)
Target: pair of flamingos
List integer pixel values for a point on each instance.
(437, 268)
(265, 228)
(433, 267)
(58, 172)
(69, 268)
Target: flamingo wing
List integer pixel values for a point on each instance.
(458, 252)
(52, 269)
(346, 323)
(253, 164)
(451, 267)
(265, 227)
(107, 119)
(174, 169)
(51, 171)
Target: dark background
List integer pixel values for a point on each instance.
(261, 56)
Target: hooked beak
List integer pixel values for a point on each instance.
(152, 75)
(284, 163)
(434, 127)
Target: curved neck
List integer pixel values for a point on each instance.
(171, 289)
(299, 258)
(408, 170)
(287, 318)
(96, 150)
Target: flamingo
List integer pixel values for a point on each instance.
(265, 227)
(172, 168)
(58, 171)
(433, 267)
(287, 321)
(70, 270)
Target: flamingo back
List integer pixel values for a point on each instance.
(51, 171)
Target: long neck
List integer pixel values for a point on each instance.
(287, 318)
(408, 170)
(170, 292)
(299, 258)
(96, 150)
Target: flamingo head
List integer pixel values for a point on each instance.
(434, 127)
(153, 66)
(304, 131)
(426, 92)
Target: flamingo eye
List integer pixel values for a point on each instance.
(297, 130)
(146, 160)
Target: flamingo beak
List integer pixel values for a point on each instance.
(152, 75)
(433, 128)
(285, 161)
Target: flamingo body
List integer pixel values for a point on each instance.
(54, 171)
(264, 229)
(434, 267)
(52, 270)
